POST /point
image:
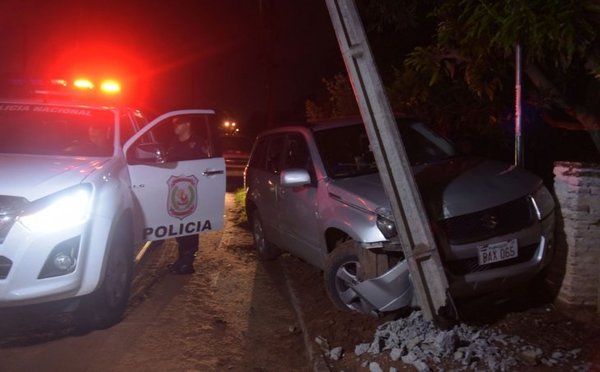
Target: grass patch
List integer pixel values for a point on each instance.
(239, 208)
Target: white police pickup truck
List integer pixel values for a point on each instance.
(83, 184)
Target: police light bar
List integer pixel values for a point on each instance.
(83, 84)
(110, 87)
(77, 88)
(59, 82)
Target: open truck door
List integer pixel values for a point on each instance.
(176, 195)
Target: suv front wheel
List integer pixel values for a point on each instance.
(342, 272)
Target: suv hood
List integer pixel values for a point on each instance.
(33, 177)
(452, 188)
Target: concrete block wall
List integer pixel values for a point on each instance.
(577, 191)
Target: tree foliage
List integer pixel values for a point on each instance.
(461, 78)
(475, 41)
(340, 100)
(385, 15)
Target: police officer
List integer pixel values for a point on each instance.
(186, 146)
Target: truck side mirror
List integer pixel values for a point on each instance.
(146, 153)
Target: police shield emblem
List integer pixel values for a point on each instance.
(182, 200)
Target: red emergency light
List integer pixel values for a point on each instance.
(83, 84)
(110, 87)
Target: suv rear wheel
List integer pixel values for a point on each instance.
(266, 250)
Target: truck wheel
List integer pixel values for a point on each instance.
(105, 306)
(266, 250)
(342, 271)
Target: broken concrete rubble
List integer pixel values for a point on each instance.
(418, 342)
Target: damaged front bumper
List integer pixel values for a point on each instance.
(390, 291)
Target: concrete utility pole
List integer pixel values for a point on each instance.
(428, 277)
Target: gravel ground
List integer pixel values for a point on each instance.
(523, 333)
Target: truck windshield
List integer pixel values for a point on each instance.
(55, 130)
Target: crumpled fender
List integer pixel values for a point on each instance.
(390, 291)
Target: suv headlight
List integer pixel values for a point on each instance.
(58, 211)
(385, 223)
(542, 201)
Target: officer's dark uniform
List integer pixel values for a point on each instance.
(192, 148)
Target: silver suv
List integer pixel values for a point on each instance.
(315, 191)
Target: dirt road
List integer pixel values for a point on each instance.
(232, 314)
(237, 314)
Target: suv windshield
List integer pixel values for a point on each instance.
(346, 152)
(55, 130)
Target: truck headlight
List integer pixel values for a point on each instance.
(542, 201)
(385, 223)
(58, 211)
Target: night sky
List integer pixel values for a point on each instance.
(223, 54)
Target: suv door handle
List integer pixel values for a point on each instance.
(208, 173)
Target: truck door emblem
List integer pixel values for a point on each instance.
(182, 200)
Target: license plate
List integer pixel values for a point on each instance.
(498, 252)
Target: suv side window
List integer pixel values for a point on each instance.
(268, 153)
(296, 155)
(257, 157)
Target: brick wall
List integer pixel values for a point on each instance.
(577, 260)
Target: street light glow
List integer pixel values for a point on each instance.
(230, 127)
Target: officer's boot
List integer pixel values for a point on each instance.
(184, 264)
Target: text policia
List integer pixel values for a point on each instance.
(167, 231)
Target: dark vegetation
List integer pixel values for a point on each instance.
(452, 64)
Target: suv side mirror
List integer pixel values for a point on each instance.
(294, 177)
